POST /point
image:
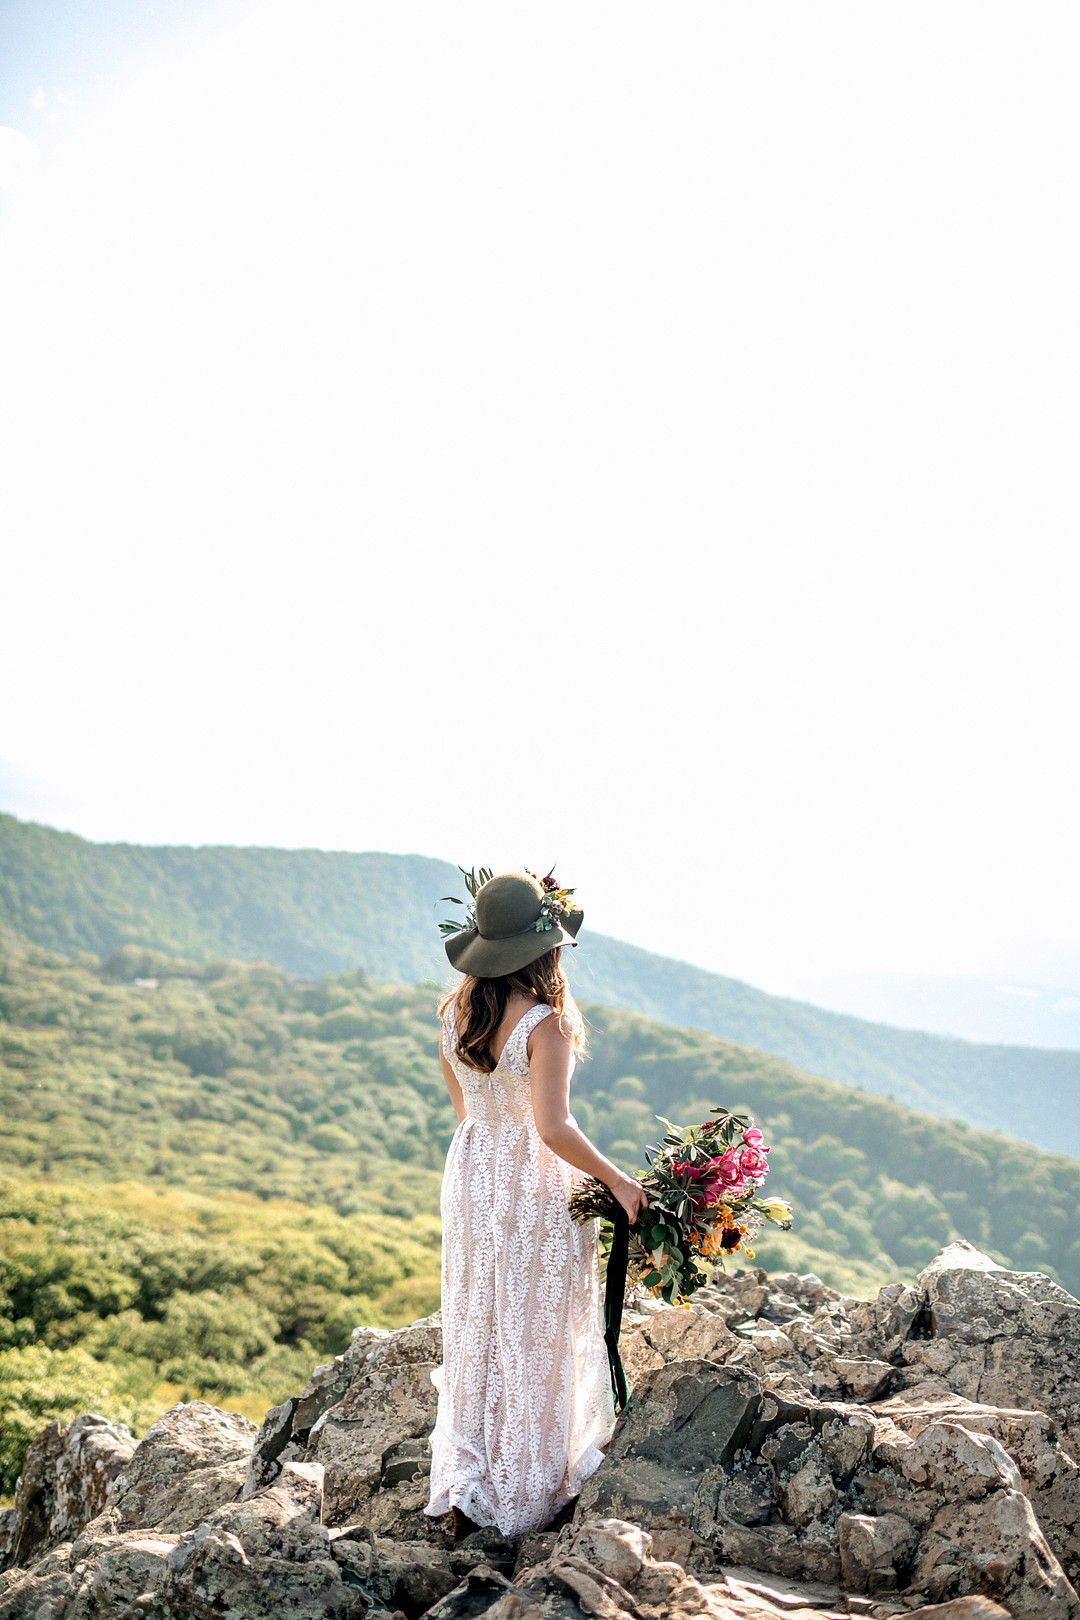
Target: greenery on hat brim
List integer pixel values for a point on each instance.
(474, 882)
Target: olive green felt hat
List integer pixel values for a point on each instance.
(506, 937)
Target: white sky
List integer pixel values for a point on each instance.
(637, 436)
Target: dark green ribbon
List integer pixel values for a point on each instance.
(613, 1302)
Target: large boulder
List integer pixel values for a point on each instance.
(286, 1429)
(682, 1421)
(193, 1459)
(64, 1484)
(374, 1443)
(366, 1418)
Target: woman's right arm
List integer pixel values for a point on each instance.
(550, 1067)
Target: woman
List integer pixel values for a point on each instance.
(524, 1390)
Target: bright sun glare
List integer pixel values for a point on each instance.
(634, 436)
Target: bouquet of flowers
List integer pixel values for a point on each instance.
(703, 1184)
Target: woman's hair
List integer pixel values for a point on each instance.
(480, 1005)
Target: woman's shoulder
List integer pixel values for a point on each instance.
(549, 1029)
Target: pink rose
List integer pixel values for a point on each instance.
(728, 1168)
(753, 1137)
(753, 1161)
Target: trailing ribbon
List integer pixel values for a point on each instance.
(613, 1301)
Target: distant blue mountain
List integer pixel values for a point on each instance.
(1015, 1009)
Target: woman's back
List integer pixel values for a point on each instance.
(505, 1093)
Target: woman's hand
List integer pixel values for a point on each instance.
(630, 1194)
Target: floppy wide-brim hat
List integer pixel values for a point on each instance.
(506, 937)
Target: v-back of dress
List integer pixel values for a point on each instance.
(524, 1390)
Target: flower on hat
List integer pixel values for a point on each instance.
(555, 904)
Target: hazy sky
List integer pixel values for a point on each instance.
(639, 437)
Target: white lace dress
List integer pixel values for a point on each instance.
(524, 1390)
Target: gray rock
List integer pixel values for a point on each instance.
(408, 1576)
(673, 1334)
(39, 1597)
(748, 1496)
(97, 1578)
(120, 1570)
(971, 1299)
(193, 1459)
(994, 1547)
(875, 1552)
(390, 1400)
(682, 1420)
(863, 1378)
(607, 1568)
(210, 1575)
(286, 1429)
(477, 1594)
(65, 1483)
(406, 1464)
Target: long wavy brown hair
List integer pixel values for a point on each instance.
(480, 1006)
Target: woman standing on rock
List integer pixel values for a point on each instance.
(524, 1390)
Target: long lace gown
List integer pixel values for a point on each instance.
(524, 1390)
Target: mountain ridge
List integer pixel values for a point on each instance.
(313, 912)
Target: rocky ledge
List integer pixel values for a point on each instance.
(785, 1451)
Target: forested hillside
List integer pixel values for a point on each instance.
(313, 912)
(309, 911)
(234, 1076)
(209, 1174)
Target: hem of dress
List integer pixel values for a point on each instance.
(466, 1500)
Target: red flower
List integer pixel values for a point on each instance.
(704, 1179)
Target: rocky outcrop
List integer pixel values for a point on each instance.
(65, 1483)
(193, 1459)
(286, 1430)
(786, 1450)
(730, 1473)
(365, 1418)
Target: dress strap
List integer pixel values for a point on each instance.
(534, 1016)
(515, 1054)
